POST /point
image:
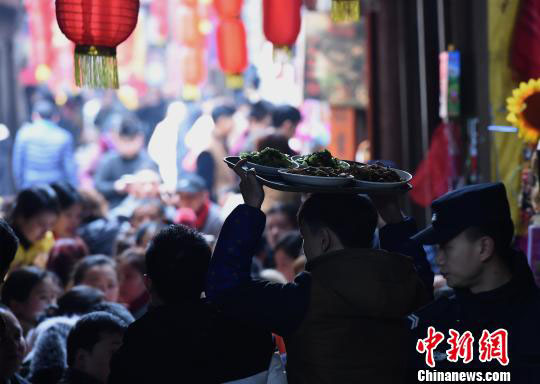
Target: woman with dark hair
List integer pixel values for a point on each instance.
(34, 214)
(98, 271)
(63, 257)
(69, 219)
(131, 270)
(28, 292)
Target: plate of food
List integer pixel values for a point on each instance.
(316, 176)
(268, 161)
(377, 176)
(320, 159)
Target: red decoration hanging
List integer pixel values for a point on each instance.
(193, 71)
(228, 8)
(281, 21)
(97, 27)
(192, 65)
(231, 41)
(188, 26)
(232, 50)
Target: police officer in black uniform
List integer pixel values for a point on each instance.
(493, 288)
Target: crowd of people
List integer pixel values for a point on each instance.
(217, 279)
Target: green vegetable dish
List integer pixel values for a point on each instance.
(269, 157)
(322, 159)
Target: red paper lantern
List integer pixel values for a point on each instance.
(188, 26)
(192, 62)
(232, 50)
(228, 8)
(281, 21)
(97, 27)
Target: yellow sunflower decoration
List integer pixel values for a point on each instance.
(524, 110)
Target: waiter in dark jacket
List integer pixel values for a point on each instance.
(496, 299)
(342, 320)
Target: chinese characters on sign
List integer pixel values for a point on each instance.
(491, 346)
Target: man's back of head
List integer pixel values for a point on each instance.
(335, 221)
(92, 342)
(177, 262)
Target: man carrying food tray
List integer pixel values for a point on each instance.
(342, 319)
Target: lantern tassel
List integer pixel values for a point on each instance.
(345, 10)
(96, 67)
(234, 81)
(282, 54)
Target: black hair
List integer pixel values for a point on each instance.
(291, 243)
(150, 227)
(285, 113)
(66, 194)
(115, 309)
(288, 209)
(89, 262)
(20, 283)
(222, 111)
(45, 109)
(9, 244)
(353, 218)
(89, 330)
(275, 141)
(130, 127)
(177, 261)
(261, 110)
(33, 201)
(501, 233)
(134, 257)
(79, 300)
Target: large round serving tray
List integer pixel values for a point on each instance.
(277, 183)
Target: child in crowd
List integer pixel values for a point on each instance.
(131, 270)
(98, 271)
(28, 292)
(33, 217)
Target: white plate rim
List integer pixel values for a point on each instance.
(313, 180)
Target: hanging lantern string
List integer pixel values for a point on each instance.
(345, 10)
(95, 66)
